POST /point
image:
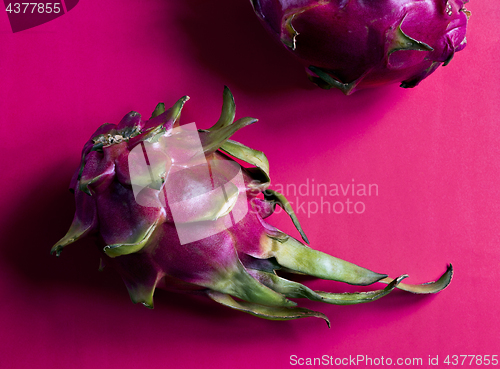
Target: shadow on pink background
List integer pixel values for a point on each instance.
(433, 152)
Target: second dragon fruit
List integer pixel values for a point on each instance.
(355, 44)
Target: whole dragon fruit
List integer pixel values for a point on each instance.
(171, 209)
(351, 44)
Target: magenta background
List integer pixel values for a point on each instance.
(432, 150)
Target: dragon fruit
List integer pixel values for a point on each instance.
(172, 208)
(351, 44)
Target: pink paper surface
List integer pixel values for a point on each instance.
(431, 153)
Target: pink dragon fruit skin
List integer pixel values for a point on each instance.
(352, 44)
(240, 261)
